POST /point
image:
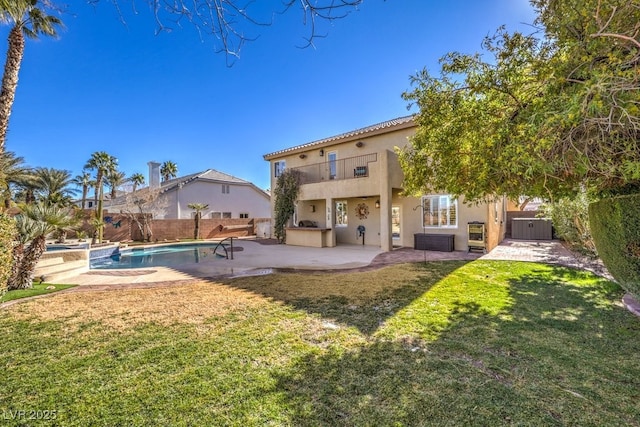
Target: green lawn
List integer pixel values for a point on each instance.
(447, 343)
(38, 289)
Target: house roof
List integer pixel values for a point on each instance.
(400, 122)
(208, 175)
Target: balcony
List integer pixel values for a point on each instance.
(349, 168)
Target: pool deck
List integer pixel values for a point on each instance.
(256, 257)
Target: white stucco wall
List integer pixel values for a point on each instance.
(241, 198)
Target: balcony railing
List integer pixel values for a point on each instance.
(349, 168)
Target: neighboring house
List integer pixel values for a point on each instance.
(226, 195)
(353, 181)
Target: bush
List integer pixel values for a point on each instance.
(615, 225)
(570, 219)
(7, 237)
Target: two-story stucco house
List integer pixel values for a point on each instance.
(226, 195)
(351, 193)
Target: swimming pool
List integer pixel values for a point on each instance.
(159, 256)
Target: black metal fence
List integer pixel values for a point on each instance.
(349, 168)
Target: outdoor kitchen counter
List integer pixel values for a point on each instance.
(311, 237)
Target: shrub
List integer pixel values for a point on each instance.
(286, 194)
(570, 219)
(615, 225)
(7, 237)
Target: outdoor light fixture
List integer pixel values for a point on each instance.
(378, 204)
(303, 156)
(321, 152)
(359, 144)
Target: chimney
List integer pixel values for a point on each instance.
(154, 174)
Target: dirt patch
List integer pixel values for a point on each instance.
(188, 303)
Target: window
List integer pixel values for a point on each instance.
(244, 215)
(439, 211)
(278, 168)
(225, 189)
(341, 213)
(332, 156)
(90, 204)
(226, 214)
(216, 215)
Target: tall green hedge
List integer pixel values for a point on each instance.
(7, 237)
(615, 226)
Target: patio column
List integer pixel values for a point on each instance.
(386, 238)
(329, 223)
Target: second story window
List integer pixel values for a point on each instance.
(278, 168)
(332, 158)
(225, 189)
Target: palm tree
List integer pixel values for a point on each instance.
(136, 179)
(13, 172)
(168, 170)
(27, 20)
(83, 181)
(102, 163)
(53, 186)
(198, 207)
(114, 179)
(36, 222)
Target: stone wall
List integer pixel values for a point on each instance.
(119, 228)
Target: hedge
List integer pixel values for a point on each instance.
(7, 237)
(615, 226)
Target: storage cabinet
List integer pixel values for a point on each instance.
(433, 242)
(531, 229)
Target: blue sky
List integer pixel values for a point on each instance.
(104, 86)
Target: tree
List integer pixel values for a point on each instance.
(543, 116)
(13, 172)
(102, 163)
(136, 179)
(168, 170)
(229, 21)
(28, 18)
(34, 224)
(286, 195)
(83, 181)
(115, 179)
(198, 207)
(53, 186)
(140, 207)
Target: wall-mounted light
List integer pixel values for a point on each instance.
(378, 204)
(359, 144)
(303, 156)
(321, 152)
(312, 208)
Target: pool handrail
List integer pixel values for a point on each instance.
(220, 243)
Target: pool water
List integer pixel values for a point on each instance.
(166, 256)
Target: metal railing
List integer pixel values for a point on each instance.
(349, 168)
(221, 245)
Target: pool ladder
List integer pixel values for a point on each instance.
(226, 252)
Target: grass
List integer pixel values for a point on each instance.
(444, 343)
(38, 289)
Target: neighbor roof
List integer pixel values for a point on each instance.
(400, 122)
(208, 175)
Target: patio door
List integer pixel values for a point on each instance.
(332, 158)
(395, 226)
